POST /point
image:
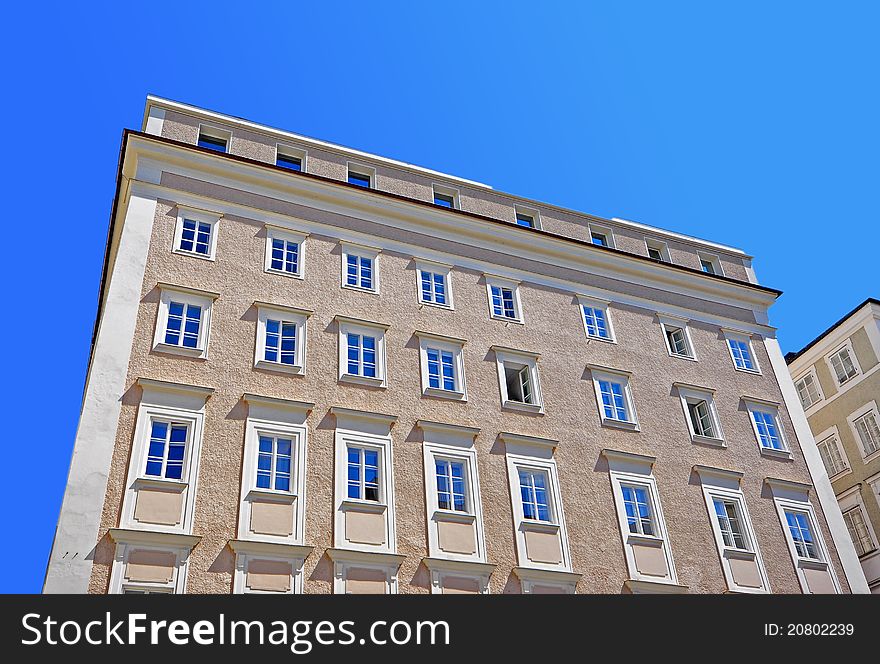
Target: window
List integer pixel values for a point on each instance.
(832, 456)
(700, 413)
(658, 251)
(527, 217)
(765, 421)
(638, 509)
(598, 238)
(284, 252)
(518, 375)
(858, 530)
(729, 519)
(434, 284)
(533, 492)
(740, 347)
(359, 268)
(184, 322)
(196, 233)
(863, 423)
(503, 299)
(450, 485)
(596, 319)
(363, 473)
(446, 197)
(677, 337)
(167, 449)
(274, 463)
(614, 397)
(843, 364)
(442, 366)
(710, 264)
(362, 176)
(361, 351)
(214, 139)
(801, 534)
(293, 159)
(808, 389)
(281, 338)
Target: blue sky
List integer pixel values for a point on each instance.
(752, 124)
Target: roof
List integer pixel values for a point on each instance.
(791, 357)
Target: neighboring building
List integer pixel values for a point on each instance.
(837, 376)
(318, 370)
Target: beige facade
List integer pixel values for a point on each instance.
(838, 378)
(523, 416)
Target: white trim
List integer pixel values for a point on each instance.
(376, 330)
(524, 361)
(670, 324)
(76, 534)
(623, 377)
(852, 499)
(125, 546)
(740, 335)
(217, 133)
(760, 406)
(449, 192)
(601, 229)
(351, 249)
(188, 297)
(154, 120)
(493, 281)
(827, 500)
(689, 394)
(660, 247)
(525, 211)
(450, 345)
(603, 306)
(811, 373)
(713, 259)
(345, 560)
(243, 557)
(441, 569)
(432, 267)
(276, 233)
(299, 317)
(833, 433)
(185, 213)
(837, 348)
(565, 583)
(363, 170)
(870, 407)
(292, 151)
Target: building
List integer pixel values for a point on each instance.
(319, 370)
(837, 380)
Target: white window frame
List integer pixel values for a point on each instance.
(602, 230)
(456, 444)
(161, 400)
(525, 359)
(689, 394)
(291, 151)
(604, 307)
(187, 296)
(345, 560)
(635, 470)
(218, 133)
(276, 233)
(443, 343)
(361, 169)
(668, 323)
(299, 317)
(511, 284)
(362, 327)
(434, 268)
(810, 373)
(787, 497)
(870, 407)
(852, 499)
(349, 248)
(445, 190)
(535, 454)
(832, 434)
(724, 485)
(660, 247)
(771, 408)
(534, 213)
(244, 554)
(198, 216)
(133, 542)
(615, 375)
(846, 345)
(737, 335)
(367, 431)
(712, 259)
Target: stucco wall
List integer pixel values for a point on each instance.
(255, 145)
(553, 328)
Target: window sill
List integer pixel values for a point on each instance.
(283, 273)
(776, 454)
(353, 505)
(450, 515)
(146, 481)
(444, 394)
(286, 496)
(647, 540)
(539, 526)
(654, 587)
(192, 254)
(813, 563)
(740, 554)
(754, 372)
(619, 424)
(447, 307)
(295, 369)
(362, 380)
(841, 474)
(604, 340)
(505, 319)
(873, 455)
(195, 353)
(689, 358)
(708, 440)
(371, 291)
(525, 407)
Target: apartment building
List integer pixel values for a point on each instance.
(837, 380)
(317, 370)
